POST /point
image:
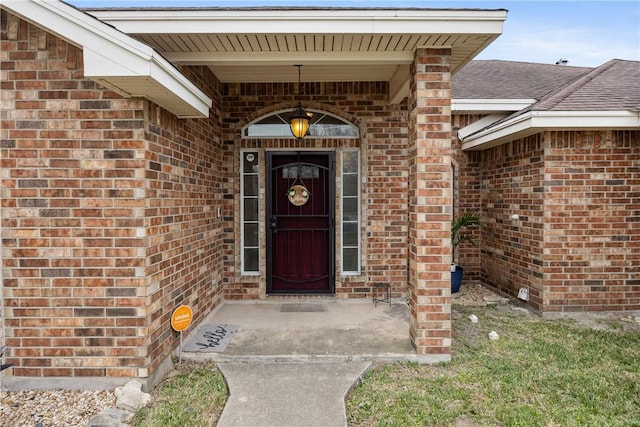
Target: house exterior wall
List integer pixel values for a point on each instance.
(115, 212)
(384, 171)
(108, 215)
(512, 250)
(575, 244)
(467, 181)
(184, 232)
(592, 221)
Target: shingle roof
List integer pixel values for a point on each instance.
(511, 80)
(607, 96)
(613, 86)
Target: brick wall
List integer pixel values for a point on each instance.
(430, 200)
(575, 244)
(108, 215)
(184, 245)
(467, 195)
(512, 250)
(383, 169)
(73, 202)
(592, 220)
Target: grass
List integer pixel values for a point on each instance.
(539, 373)
(193, 398)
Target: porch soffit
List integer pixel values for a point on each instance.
(262, 44)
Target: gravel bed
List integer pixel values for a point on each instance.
(46, 408)
(476, 295)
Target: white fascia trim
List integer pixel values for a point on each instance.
(170, 86)
(480, 124)
(486, 105)
(537, 121)
(319, 21)
(109, 53)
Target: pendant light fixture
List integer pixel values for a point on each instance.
(299, 120)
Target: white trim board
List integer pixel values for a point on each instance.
(116, 60)
(306, 21)
(533, 122)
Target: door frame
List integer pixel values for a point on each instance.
(331, 162)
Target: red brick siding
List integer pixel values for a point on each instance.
(109, 216)
(512, 250)
(73, 203)
(576, 243)
(592, 221)
(430, 180)
(467, 184)
(184, 246)
(383, 168)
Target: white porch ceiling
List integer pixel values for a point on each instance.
(263, 44)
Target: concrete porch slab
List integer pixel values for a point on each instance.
(329, 330)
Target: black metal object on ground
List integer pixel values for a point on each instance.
(380, 288)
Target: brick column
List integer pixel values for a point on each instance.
(430, 179)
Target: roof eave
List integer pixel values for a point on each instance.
(305, 21)
(537, 121)
(264, 31)
(116, 60)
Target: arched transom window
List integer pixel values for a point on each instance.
(323, 125)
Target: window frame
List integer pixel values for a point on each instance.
(358, 222)
(278, 113)
(243, 271)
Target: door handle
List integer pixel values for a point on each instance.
(273, 223)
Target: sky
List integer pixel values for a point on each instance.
(585, 33)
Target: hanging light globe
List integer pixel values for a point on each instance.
(299, 120)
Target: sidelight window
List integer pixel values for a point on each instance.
(350, 212)
(249, 213)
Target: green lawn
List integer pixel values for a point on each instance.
(194, 398)
(539, 373)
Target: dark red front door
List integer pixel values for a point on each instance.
(300, 222)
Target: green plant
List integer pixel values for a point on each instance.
(459, 225)
(193, 398)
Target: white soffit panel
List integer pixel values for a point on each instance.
(333, 44)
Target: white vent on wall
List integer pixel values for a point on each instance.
(523, 294)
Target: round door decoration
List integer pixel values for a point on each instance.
(298, 195)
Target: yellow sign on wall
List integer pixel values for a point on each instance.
(181, 318)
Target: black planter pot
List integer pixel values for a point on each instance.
(456, 279)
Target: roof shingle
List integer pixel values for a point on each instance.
(511, 80)
(613, 86)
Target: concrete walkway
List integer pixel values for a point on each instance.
(292, 362)
(288, 394)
